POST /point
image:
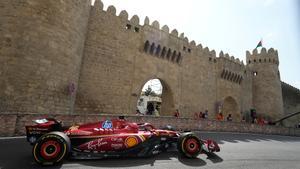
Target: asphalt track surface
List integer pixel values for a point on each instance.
(246, 151)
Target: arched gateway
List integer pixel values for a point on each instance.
(230, 106)
(161, 99)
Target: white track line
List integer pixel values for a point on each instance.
(9, 138)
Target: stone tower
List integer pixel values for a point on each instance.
(41, 46)
(267, 95)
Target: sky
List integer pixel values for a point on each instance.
(232, 26)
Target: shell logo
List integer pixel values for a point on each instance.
(131, 141)
(73, 128)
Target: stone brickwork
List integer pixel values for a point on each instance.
(71, 57)
(16, 122)
(266, 89)
(291, 102)
(41, 46)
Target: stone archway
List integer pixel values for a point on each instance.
(230, 106)
(167, 106)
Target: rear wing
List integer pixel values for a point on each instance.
(41, 127)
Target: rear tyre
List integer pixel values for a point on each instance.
(189, 145)
(51, 148)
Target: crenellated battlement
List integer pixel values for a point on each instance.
(155, 33)
(169, 44)
(182, 42)
(264, 56)
(232, 59)
(296, 90)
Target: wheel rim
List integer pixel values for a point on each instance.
(50, 149)
(192, 145)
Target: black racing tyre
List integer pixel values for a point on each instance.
(189, 145)
(51, 148)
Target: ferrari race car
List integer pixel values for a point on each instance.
(110, 138)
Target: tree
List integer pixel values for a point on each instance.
(148, 91)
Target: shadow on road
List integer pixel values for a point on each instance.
(17, 153)
(214, 158)
(134, 162)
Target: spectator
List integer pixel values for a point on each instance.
(253, 115)
(229, 117)
(266, 121)
(220, 116)
(196, 116)
(260, 120)
(156, 111)
(150, 108)
(200, 115)
(255, 120)
(137, 112)
(205, 114)
(176, 113)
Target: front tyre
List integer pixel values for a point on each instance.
(189, 145)
(51, 148)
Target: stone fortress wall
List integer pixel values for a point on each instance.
(41, 46)
(121, 55)
(48, 45)
(291, 103)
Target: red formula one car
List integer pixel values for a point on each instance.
(110, 138)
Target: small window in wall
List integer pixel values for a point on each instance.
(152, 48)
(254, 73)
(249, 61)
(173, 56)
(189, 50)
(254, 60)
(157, 52)
(226, 74)
(128, 26)
(259, 60)
(136, 29)
(232, 77)
(169, 54)
(209, 58)
(215, 60)
(146, 47)
(237, 79)
(223, 73)
(229, 76)
(184, 48)
(163, 53)
(178, 57)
